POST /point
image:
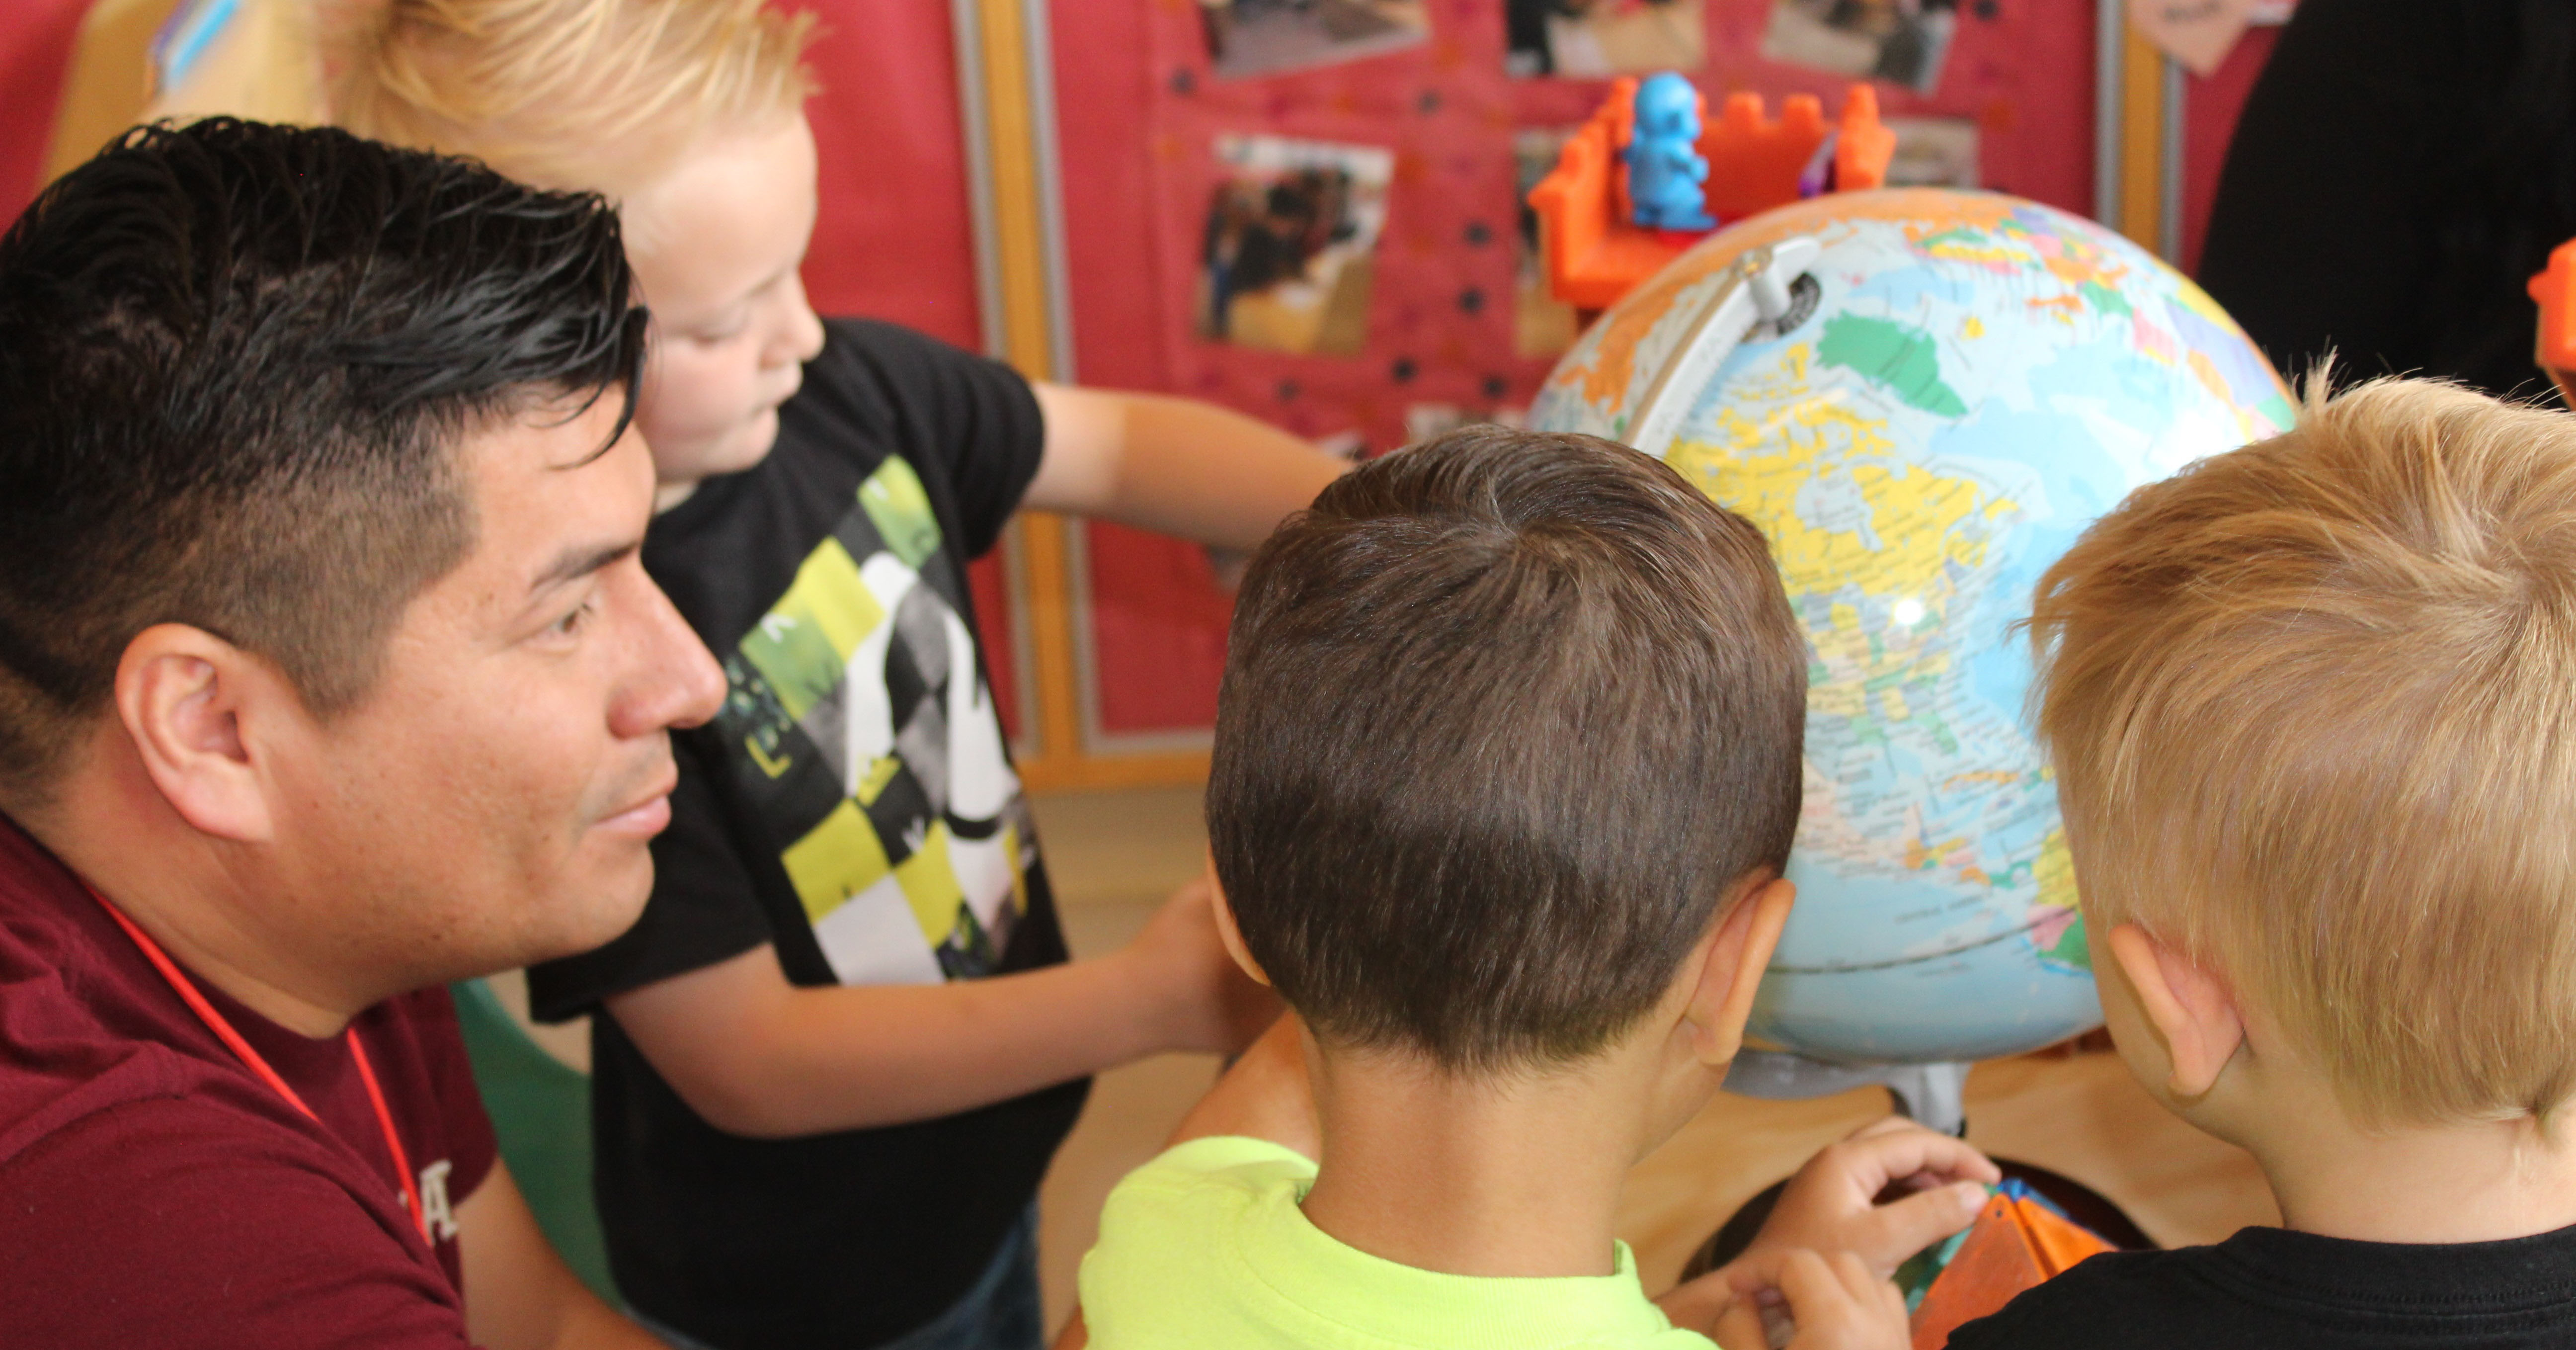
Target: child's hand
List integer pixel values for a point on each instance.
(1795, 1299)
(1831, 1204)
(1201, 999)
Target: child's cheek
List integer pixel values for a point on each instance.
(692, 395)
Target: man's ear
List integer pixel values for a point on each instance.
(1731, 961)
(182, 694)
(1227, 933)
(2191, 1009)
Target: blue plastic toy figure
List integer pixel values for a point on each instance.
(1664, 169)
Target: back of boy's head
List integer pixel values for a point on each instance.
(2313, 710)
(603, 95)
(1506, 717)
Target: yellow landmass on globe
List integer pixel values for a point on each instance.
(1758, 462)
(2055, 871)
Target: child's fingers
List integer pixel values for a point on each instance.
(1858, 1280)
(1816, 1295)
(1889, 1233)
(1840, 1304)
(1888, 1152)
(1822, 1308)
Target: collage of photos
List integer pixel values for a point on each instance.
(1287, 253)
(1288, 250)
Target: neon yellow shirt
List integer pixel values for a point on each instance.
(1205, 1248)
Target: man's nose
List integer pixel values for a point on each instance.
(678, 683)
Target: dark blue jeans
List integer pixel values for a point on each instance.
(1002, 1311)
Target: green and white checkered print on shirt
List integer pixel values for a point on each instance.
(863, 734)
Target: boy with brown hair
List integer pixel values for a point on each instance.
(2310, 708)
(1508, 762)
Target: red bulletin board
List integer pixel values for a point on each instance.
(1139, 112)
(36, 39)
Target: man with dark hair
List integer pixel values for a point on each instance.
(1507, 768)
(328, 674)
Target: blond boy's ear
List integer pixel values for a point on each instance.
(1731, 961)
(1227, 933)
(2192, 1010)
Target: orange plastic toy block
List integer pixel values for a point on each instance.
(2016, 1243)
(1594, 255)
(2555, 289)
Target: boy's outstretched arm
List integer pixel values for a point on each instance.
(1173, 465)
(759, 1057)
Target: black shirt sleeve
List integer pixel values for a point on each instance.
(2321, 234)
(972, 421)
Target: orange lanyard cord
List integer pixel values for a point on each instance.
(215, 1022)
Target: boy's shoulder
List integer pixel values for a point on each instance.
(1206, 1245)
(886, 374)
(2283, 1290)
(1192, 1185)
(2150, 1300)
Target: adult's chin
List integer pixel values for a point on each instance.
(600, 911)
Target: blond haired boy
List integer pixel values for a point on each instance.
(838, 1051)
(2313, 710)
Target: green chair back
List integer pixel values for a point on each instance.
(540, 1107)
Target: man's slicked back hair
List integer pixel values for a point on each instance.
(236, 362)
(1506, 718)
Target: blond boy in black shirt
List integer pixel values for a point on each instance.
(2310, 709)
(836, 1054)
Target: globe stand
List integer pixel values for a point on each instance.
(1932, 1095)
(1928, 1094)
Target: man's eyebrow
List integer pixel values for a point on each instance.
(580, 561)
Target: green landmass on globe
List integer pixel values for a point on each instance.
(1976, 379)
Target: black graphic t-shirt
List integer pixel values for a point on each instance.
(853, 805)
(2279, 1290)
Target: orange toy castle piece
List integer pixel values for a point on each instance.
(1864, 146)
(1753, 162)
(1594, 255)
(2016, 1243)
(2555, 289)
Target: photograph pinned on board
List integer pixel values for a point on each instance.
(1899, 41)
(1933, 152)
(1264, 37)
(1594, 39)
(1542, 325)
(1287, 257)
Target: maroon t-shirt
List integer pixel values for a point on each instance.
(153, 1192)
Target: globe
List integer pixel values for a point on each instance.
(1921, 419)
